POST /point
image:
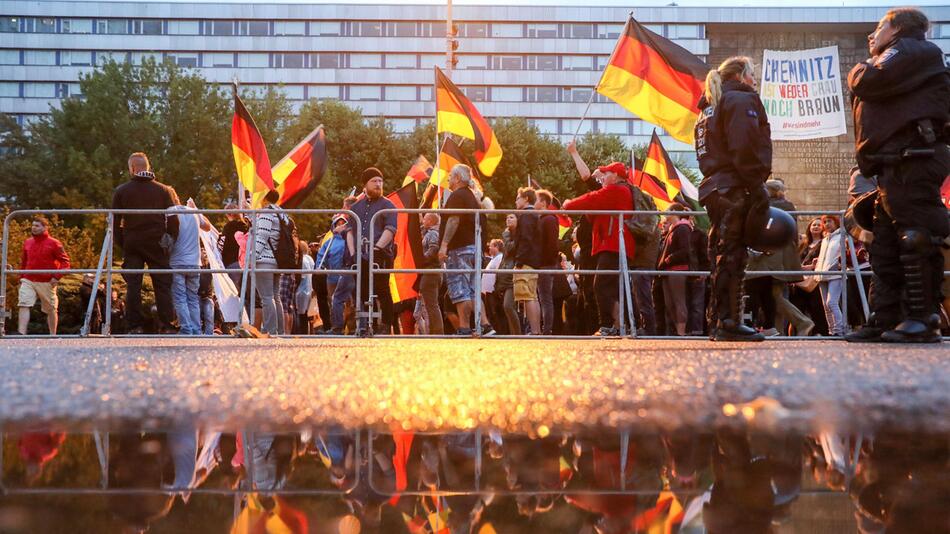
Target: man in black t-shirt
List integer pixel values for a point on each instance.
(458, 249)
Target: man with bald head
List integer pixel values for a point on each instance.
(140, 235)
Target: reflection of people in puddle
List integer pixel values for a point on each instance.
(140, 461)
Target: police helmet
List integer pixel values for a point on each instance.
(778, 231)
(859, 218)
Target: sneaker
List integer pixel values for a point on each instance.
(770, 332)
(607, 331)
(488, 331)
(464, 332)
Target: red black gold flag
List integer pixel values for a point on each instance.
(659, 165)
(649, 184)
(656, 79)
(449, 156)
(419, 172)
(298, 174)
(408, 240)
(250, 154)
(456, 114)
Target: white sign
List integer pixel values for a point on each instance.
(801, 91)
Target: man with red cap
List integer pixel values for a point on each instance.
(613, 195)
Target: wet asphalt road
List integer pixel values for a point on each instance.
(426, 384)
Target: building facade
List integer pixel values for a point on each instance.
(537, 62)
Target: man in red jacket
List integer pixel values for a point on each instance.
(614, 195)
(40, 252)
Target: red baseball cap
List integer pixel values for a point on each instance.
(616, 167)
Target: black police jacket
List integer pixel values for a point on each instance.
(908, 82)
(733, 140)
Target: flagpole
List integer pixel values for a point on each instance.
(586, 110)
(435, 103)
(234, 87)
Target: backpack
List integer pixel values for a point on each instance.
(644, 227)
(287, 253)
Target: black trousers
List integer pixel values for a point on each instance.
(380, 288)
(137, 254)
(323, 299)
(909, 197)
(606, 287)
(728, 210)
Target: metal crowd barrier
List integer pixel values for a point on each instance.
(106, 269)
(626, 310)
(105, 264)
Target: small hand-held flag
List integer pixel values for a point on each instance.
(456, 114)
(419, 172)
(250, 154)
(408, 240)
(655, 79)
(298, 174)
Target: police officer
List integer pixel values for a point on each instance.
(734, 148)
(901, 102)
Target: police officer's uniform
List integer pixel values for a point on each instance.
(734, 149)
(901, 102)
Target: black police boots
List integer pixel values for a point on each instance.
(730, 326)
(869, 333)
(920, 282)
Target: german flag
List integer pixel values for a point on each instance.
(298, 174)
(250, 154)
(649, 184)
(430, 198)
(420, 171)
(408, 240)
(655, 79)
(659, 165)
(454, 113)
(449, 156)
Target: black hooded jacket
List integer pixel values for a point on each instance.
(907, 82)
(733, 140)
(144, 192)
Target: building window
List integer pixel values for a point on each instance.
(545, 126)
(76, 26)
(609, 31)
(253, 91)
(147, 27)
(602, 62)
(427, 61)
(542, 94)
(476, 94)
(473, 29)
(291, 92)
(579, 31)
(289, 60)
(367, 29)
(39, 57)
(10, 89)
(139, 58)
(217, 59)
(75, 57)
(684, 31)
(75, 90)
(221, 27)
(644, 128)
(939, 31)
(253, 27)
(402, 93)
(323, 92)
(366, 61)
(290, 27)
(35, 25)
(655, 28)
(577, 63)
(542, 30)
(253, 60)
(183, 27)
(39, 90)
(403, 125)
(472, 62)
(401, 29)
(569, 126)
(325, 61)
(366, 92)
(400, 61)
(613, 126)
(542, 62)
(325, 28)
(183, 59)
(112, 26)
(506, 30)
(425, 93)
(103, 57)
(507, 62)
(9, 24)
(506, 94)
(9, 57)
(576, 94)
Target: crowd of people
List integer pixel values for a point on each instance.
(739, 300)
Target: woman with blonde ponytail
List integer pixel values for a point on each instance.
(734, 149)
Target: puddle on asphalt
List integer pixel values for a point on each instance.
(726, 480)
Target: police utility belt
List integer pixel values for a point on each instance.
(922, 131)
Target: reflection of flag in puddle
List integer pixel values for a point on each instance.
(662, 518)
(283, 519)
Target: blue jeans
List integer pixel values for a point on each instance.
(267, 285)
(461, 286)
(345, 290)
(185, 298)
(207, 316)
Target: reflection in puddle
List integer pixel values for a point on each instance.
(722, 481)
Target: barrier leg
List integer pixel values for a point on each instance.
(107, 320)
(84, 331)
